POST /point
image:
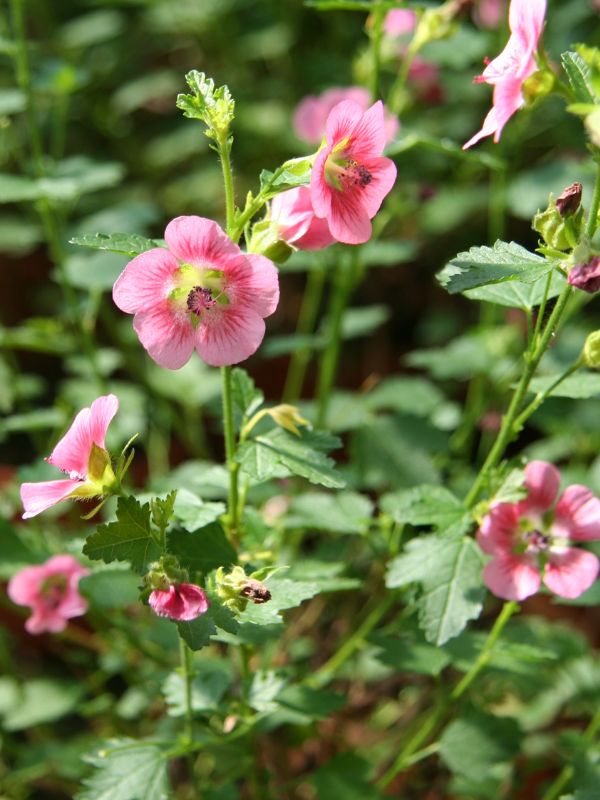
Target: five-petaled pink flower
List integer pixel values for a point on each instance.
(202, 293)
(181, 601)
(51, 591)
(350, 178)
(508, 72)
(80, 454)
(529, 540)
(293, 213)
(310, 116)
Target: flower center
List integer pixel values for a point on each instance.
(200, 299)
(536, 541)
(52, 591)
(342, 173)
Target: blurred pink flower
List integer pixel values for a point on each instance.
(181, 601)
(202, 293)
(89, 475)
(508, 71)
(529, 539)
(489, 13)
(399, 21)
(350, 178)
(296, 222)
(310, 116)
(51, 591)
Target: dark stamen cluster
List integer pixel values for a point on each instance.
(199, 299)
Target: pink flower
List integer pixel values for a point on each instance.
(202, 293)
(181, 601)
(529, 540)
(508, 72)
(399, 22)
(82, 456)
(586, 276)
(297, 224)
(51, 591)
(350, 178)
(310, 116)
(489, 13)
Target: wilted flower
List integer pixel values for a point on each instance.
(529, 540)
(51, 591)
(508, 72)
(82, 456)
(181, 601)
(310, 116)
(202, 293)
(350, 178)
(586, 276)
(293, 213)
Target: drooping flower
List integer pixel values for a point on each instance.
(293, 213)
(201, 293)
(350, 178)
(51, 591)
(508, 72)
(181, 601)
(586, 276)
(529, 540)
(310, 116)
(82, 456)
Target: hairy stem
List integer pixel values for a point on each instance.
(230, 448)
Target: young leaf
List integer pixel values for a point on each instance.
(127, 772)
(449, 571)
(246, 397)
(579, 75)
(203, 550)
(127, 244)
(480, 266)
(130, 538)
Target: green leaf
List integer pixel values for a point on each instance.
(42, 700)
(265, 686)
(409, 653)
(428, 505)
(12, 101)
(579, 75)
(359, 322)
(301, 455)
(344, 512)
(127, 770)
(289, 176)
(345, 776)
(311, 703)
(245, 396)
(474, 744)
(198, 632)
(449, 571)
(110, 588)
(516, 294)
(17, 188)
(161, 510)
(127, 244)
(203, 550)
(480, 266)
(211, 680)
(285, 593)
(579, 386)
(194, 513)
(130, 538)
(405, 394)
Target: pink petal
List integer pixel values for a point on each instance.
(182, 601)
(399, 21)
(348, 220)
(320, 192)
(293, 213)
(368, 135)
(511, 577)
(254, 282)
(342, 120)
(577, 514)
(229, 335)
(490, 126)
(542, 481)
(383, 176)
(570, 572)
(45, 621)
(199, 241)
(508, 99)
(167, 336)
(526, 19)
(72, 452)
(23, 587)
(64, 565)
(308, 120)
(103, 409)
(145, 281)
(498, 528)
(37, 497)
(316, 237)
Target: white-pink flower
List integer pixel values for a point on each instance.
(293, 213)
(508, 72)
(81, 455)
(350, 178)
(181, 601)
(201, 294)
(529, 541)
(51, 591)
(310, 116)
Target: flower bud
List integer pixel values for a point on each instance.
(569, 200)
(236, 588)
(586, 276)
(558, 230)
(591, 351)
(181, 602)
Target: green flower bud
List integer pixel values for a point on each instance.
(558, 231)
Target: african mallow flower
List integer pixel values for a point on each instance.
(293, 213)
(202, 293)
(508, 72)
(350, 178)
(51, 591)
(82, 456)
(529, 540)
(180, 601)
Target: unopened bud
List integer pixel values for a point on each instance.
(591, 350)
(555, 229)
(569, 200)
(586, 276)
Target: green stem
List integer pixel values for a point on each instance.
(187, 671)
(406, 757)
(592, 219)
(306, 323)
(566, 774)
(376, 34)
(542, 396)
(340, 295)
(225, 156)
(232, 465)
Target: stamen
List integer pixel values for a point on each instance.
(199, 300)
(536, 541)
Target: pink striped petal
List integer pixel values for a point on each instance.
(168, 337)
(577, 514)
(511, 577)
(542, 481)
(254, 282)
(383, 176)
(229, 335)
(570, 572)
(348, 220)
(368, 137)
(342, 121)
(145, 281)
(72, 452)
(498, 529)
(199, 241)
(37, 497)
